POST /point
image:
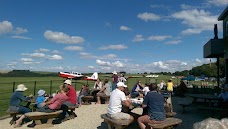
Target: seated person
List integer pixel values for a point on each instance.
(137, 90)
(16, 101)
(154, 102)
(96, 88)
(41, 98)
(224, 94)
(117, 99)
(146, 89)
(84, 92)
(56, 102)
(71, 94)
(105, 91)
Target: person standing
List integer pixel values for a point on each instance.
(170, 86)
(154, 102)
(118, 98)
(122, 78)
(114, 80)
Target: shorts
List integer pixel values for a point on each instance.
(120, 115)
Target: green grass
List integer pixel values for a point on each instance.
(51, 84)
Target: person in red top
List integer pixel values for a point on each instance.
(56, 102)
(72, 94)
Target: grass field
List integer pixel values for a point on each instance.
(51, 84)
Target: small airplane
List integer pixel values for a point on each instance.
(94, 77)
(78, 76)
(70, 75)
(153, 76)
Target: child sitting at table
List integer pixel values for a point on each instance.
(84, 92)
(41, 97)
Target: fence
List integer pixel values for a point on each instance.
(6, 89)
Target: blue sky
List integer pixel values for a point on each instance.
(106, 35)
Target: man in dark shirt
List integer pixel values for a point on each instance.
(15, 103)
(154, 102)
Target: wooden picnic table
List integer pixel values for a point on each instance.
(207, 98)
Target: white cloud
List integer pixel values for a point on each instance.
(5, 27)
(20, 37)
(138, 38)
(115, 47)
(205, 20)
(26, 59)
(74, 48)
(19, 30)
(148, 16)
(103, 63)
(117, 64)
(42, 50)
(37, 55)
(173, 42)
(91, 67)
(125, 28)
(159, 38)
(218, 2)
(60, 37)
(56, 52)
(55, 57)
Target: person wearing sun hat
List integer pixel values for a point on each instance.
(15, 103)
(72, 94)
(118, 98)
(41, 98)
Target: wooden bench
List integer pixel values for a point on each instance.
(72, 114)
(13, 114)
(106, 98)
(38, 116)
(215, 111)
(87, 100)
(117, 124)
(184, 104)
(166, 124)
(170, 114)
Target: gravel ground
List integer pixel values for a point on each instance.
(89, 118)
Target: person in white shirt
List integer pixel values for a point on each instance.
(122, 79)
(146, 89)
(117, 99)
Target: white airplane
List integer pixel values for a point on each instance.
(78, 76)
(71, 75)
(153, 76)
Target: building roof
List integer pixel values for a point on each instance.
(224, 14)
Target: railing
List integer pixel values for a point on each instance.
(6, 90)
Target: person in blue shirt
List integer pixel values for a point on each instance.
(154, 102)
(15, 103)
(41, 98)
(137, 90)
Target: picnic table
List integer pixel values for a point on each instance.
(207, 98)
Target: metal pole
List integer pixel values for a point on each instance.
(34, 92)
(50, 87)
(218, 71)
(13, 86)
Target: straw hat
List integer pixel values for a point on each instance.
(21, 87)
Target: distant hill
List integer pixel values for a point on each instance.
(27, 73)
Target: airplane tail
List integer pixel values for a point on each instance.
(93, 77)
